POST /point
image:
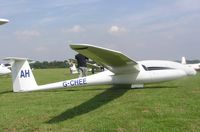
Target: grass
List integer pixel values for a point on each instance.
(169, 106)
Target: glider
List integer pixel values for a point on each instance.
(121, 70)
(4, 69)
(196, 66)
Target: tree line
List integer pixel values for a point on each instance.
(47, 64)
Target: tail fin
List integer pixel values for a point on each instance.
(183, 60)
(22, 76)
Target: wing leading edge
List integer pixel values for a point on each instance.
(114, 61)
(3, 21)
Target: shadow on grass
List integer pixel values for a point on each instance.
(96, 102)
(5, 92)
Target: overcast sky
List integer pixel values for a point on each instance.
(141, 29)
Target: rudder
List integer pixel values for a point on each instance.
(183, 60)
(22, 76)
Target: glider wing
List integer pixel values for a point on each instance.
(112, 60)
(3, 21)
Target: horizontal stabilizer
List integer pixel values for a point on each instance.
(17, 59)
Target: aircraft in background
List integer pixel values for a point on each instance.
(3, 21)
(121, 70)
(196, 66)
(90, 66)
(72, 66)
(4, 69)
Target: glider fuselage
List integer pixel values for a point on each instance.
(154, 71)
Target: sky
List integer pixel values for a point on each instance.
(141, 29)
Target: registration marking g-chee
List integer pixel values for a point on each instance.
(75, 82)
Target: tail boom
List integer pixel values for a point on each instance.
(24, 81)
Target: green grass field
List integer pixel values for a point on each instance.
(169, 106)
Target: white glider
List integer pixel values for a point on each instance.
(4, 69)
(3, 21)
(196, 66)
(121, 70)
